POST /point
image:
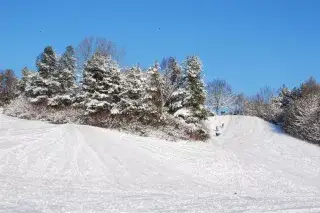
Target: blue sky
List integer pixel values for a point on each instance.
(249, 43)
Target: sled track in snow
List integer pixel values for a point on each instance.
(251, 167)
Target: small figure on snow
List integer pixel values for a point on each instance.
(218, 132)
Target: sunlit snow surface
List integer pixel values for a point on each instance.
(251, 167)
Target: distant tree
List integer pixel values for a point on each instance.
(264, 105)
(220, 95)
(8, 86)
(239, 104)
(164, 65)
(309, 87)
(265, 95)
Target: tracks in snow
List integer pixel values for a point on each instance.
(71, 168)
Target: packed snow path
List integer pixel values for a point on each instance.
(251, 167)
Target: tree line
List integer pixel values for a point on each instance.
(106, 91)
(90, 78)
(296, 110)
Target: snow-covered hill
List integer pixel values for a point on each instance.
(251, 167)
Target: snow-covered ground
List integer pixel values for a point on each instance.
(251, 167)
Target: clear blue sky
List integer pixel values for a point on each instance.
(249, 43)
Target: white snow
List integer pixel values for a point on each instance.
(251, 167)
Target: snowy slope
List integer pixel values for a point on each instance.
(251, 167)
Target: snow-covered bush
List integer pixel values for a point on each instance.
(302, 119)
(22, 108)
(296, 110)
(266, 105)
(302, 113)
(168, 127)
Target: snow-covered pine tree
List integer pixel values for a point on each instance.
(175, 91)
(153, 98)
(132, 91)
(67, 68)
(195, 89)
(101, 85)
(25, 79)
(65, 75)
(47, 63)
(174, 71)
(43, 85)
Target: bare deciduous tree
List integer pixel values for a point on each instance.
(239, 104)
(220, 95)
(90, 45)
(265, 95)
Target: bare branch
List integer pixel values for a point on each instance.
(220, 95)
(90, 45)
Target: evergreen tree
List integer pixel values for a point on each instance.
(132, 91)
(195, 89)
(174, 71)
(153, 98)
(101, 85)
(176, 100)
(173, 91)
(44, 84)
(67, 68)
(25, 79)
(47, 63)
(65, 76)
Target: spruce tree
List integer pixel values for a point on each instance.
(153, 98)
(47, 63)
(67, 68)
(174, 71)
(44, 84)
(132, 91)
(65, 76)
(195, 89)
(175, 87)
(101, 85)
(25, 79)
